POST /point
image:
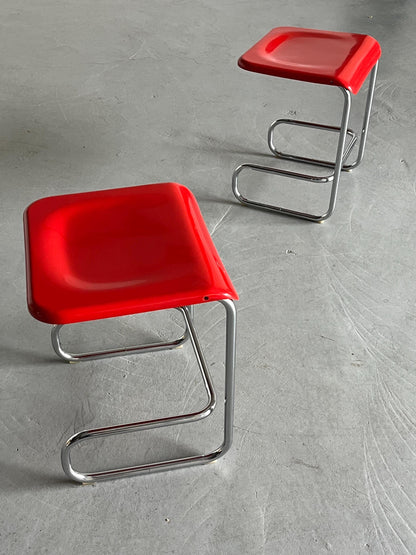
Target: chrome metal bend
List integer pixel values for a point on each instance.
(148, 348)
(173, 420)
(353, 136)
(303, 159)
(271, 207)
(333, 178)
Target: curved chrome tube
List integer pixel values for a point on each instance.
(342, 154)
(333, 178)
(148, 348)
(173, 420)
(285, 173)
(304, 159)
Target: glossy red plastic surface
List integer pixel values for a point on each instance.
(325, 57)
(121, 251)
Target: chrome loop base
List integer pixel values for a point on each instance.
(303, 159)
(271, 207)
(173, 420)
(149, 348)
(344, 150)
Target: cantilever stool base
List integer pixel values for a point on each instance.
(125, 251)
(338, 59)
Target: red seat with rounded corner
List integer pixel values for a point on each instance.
(121, 251)
(327, 58)
(124, 251)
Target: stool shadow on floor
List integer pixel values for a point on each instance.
(218, 146)
(28, 476)
(24, 477)
(23, 357)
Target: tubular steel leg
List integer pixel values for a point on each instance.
(173, 420)
(333, 177)
(340, 153)
(366, 120)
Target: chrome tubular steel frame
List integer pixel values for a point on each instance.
(169, 421)
(343, 151)
(152, 347)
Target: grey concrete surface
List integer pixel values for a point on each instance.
(101, 94)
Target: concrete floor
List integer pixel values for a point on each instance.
(106, 94)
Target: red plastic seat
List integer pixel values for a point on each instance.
(121, 251)
(332, 58)
(125, 251)
(326, 57)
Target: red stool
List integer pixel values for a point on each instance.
(328, 58)
(125, 251)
